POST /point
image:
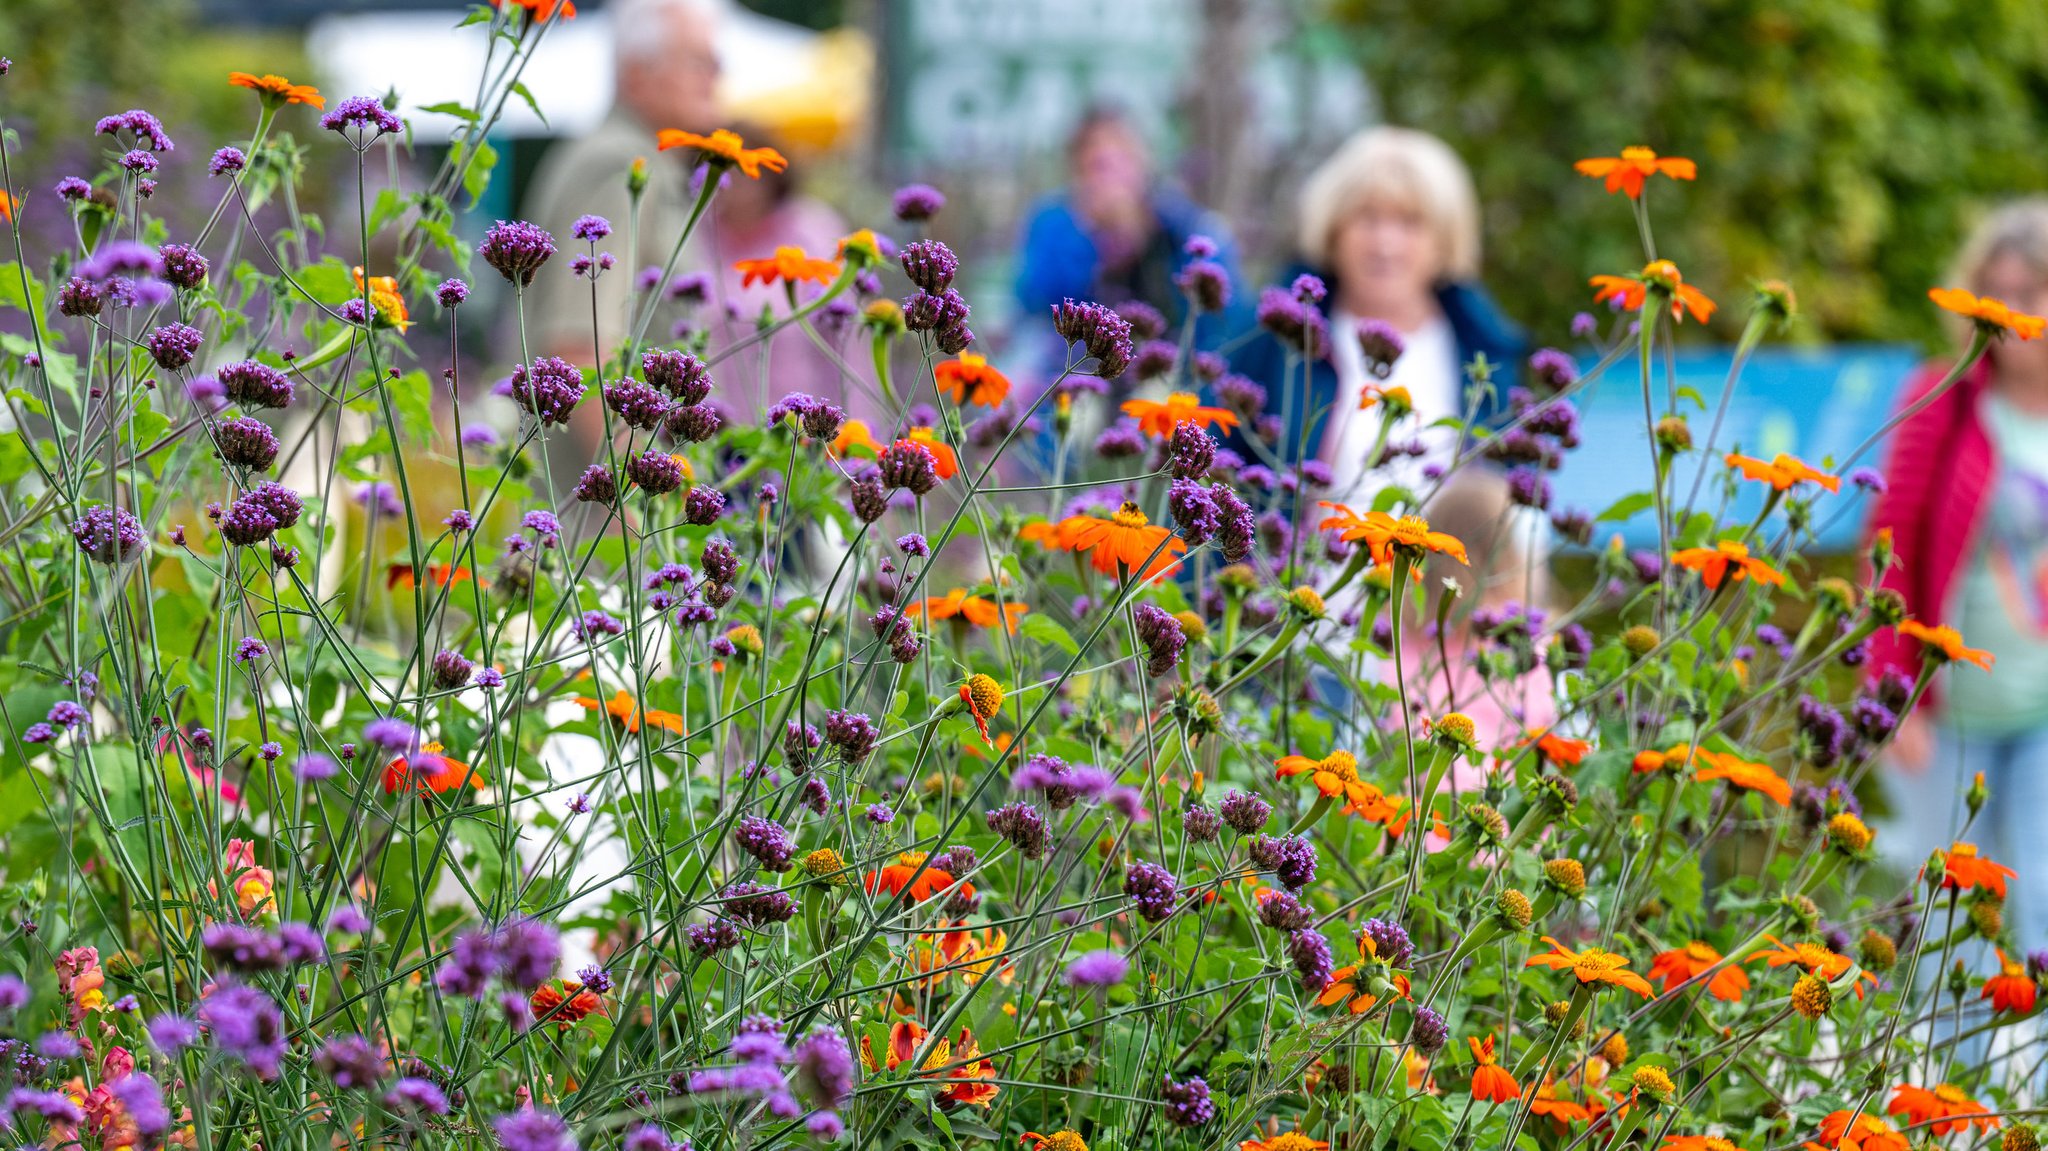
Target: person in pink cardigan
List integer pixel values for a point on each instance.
(1966, 502)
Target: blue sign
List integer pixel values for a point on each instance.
(1816, 403)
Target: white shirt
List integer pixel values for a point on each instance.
(1429, 370)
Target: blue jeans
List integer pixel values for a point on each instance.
(1928, 812)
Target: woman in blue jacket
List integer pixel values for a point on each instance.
(1390, 226)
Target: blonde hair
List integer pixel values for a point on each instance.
(2018, 228)
(1401, 164)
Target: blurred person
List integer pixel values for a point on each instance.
(752, 218)
(1390, 225)
(1498, 615)
(1116, 233)
(1966, 502)
(667, 75)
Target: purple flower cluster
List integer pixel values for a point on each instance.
(550, 389)
(1102, 334)
(916, 203)
(766, 840)
(366, 115)
(255, 385)
(1187, 1104)
(1296, 323)
(1245, 813)
(522, 952)
(930, 265)
(246, 1025)
(108, 534)
(1151, 888)
(1023, 827)
(1097, 969)
(1390, 942)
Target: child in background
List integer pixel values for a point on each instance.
(1487, 663)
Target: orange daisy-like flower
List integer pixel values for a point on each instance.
(945, 461)
(1663, 275)
(970, 380)
(1681, 965)
(1676, 756)
(902, 878)
(1160, 417)
(403, 576)
(1815, 959)
(384, 299)
(1966, 869)
(973, 955)
(1867, 1133)
(2012, 989)
(1941, 1105)
(566, 1005)
(624, 709)
(1491, 1083)
(972, 608)
(434, 773)
(1336, 775)
(1344, 985)
(1592, 966)
(1994, 317)
(1398, 400)
(1126, 542)
(724, 148)
(1781, 471)
(541, 10)
(1947, 642)
(1757, 777)
(9, 202)
(276, 90)
(1627, 172)
(854, 437)
(1382, 534)
(1559, 750)
(1285, 1141)
(983, 697)
(789, 265)
(1561, 1112)
(1727, 558)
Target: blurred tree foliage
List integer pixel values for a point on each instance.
(1843, 145)
(78, 60)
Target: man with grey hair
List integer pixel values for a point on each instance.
(666, 77)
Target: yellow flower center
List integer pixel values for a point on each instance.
(1128, 516)
(984, 695)
(1341, 764)
(1411, 530)
(1592, 964)
(1292, 1141)
(1063, 1141)
(1701, 952)
(1663, 274)
(1950, 1094)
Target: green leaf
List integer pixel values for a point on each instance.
(1691, 393)
(1044, 630)
(412, 396)
(476, 170)
(519, 89)
(391, 205)
(1626, 506)
(20, 291)
(452, 108)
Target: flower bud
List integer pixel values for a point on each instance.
(1513, 909)
(1567, 876)
(1640, 640)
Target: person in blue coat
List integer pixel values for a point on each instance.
(1116, 233)
(1389, 228)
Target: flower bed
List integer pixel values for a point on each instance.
(923, 779)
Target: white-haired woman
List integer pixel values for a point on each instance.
(1390, 225)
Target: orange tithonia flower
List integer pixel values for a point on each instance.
(1944, 1103)
(1382, 534)
(854, 436)
(1727, 558)
(1967, 869)
(1946, 642)
(403, 576)
(1815, 959)
(972, 608)
(1781, 471)
(277, 90)
(1994, 317)
(1757, 777)
(625, 710)
(541, 10)
(970, 380)
(725, 148)
(1344, 984)
(1681, 965)
(1064, 1140)
(385, 300)
(903, 878)
(1126, 541)
(434, 773)
(1867, 1133)
(9, 202)
(1677, 756)
(566, 1005)
(1336, 775)
(1663, 275)
(1544, 1101)
(2012, 989)
(1398, 400)
(1592, 966)
(1627, 172)
(983, 697)
(944, 460)
(974, 953)
(1491, 1083)
(1698, 1143)
(1285, 1141)
(788, 264)
(1160, 417)
(1559, 750)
